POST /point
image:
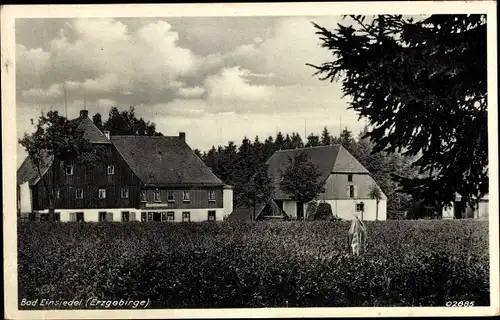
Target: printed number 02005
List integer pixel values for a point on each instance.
(459, 303)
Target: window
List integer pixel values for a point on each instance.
(163, 216)
(124, 193)
(68, 170)
(111, 169)
(102, 215)
(349, 178)
(79, 193)
(170, 196)
(351, 191)
(211, 215)
(170, 215)
(143, 196)
(79, 217)
(186, 217)
(144, 216)
(150, 216)
(360, 206)
(102, 193)
(211, 195)
(185, 196)
(156, 196)
(125, 216)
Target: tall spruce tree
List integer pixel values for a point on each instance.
(326, 137)
(422, 86)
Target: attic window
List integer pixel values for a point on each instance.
(111, 169)
(349, 178)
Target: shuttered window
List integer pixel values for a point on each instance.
(102, 193)
(351, 192)
(125, 216)
(124, 193)
(349, 178)
(156, 196)
(111, 169)
(211, 195)
(143, 196)
(79, 217)
(68, 169)
(79, 193)
(102, 216)
(360, 207)
(186, 216)
(211, 215)
(170, 215)
(170, 196)
(185, 196)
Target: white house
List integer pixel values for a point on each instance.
(459, 210)
(347, 183)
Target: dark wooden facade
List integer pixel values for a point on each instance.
(91, 179)
(198, 198)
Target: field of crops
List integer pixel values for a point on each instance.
(224, 265)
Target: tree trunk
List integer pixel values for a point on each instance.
(376, 211)
(52, 201)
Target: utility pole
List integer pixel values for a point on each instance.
(305, 129)
(65, 101)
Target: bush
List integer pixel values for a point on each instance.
(222, 265)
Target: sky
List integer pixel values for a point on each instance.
(218, 79)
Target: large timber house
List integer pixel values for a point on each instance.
(142, 178)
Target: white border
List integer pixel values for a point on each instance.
(8, 15)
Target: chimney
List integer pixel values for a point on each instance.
(107, 134)
(182, 136)
(84, 113)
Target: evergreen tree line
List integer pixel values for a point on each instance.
(235, 165)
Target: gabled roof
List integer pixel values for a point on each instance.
(164, 161)
(329, 159)
(91, 132)
(245, 213)
(28, 172)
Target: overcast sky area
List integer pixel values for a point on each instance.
(217, 79)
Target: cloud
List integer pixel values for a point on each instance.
(37, 94)
(191, 92)
(231, 84)
(104, 57)
(256, 83)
